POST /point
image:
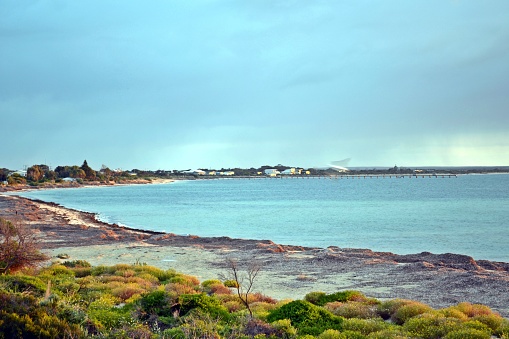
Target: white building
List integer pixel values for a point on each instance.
(228, 173)
(289, 171)
(271, 172)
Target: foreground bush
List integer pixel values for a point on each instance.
(306, 317)
(75, 300)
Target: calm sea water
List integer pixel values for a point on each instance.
(468, 214)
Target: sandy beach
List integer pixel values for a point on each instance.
(289, 272)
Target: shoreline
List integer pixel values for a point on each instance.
(439, 280)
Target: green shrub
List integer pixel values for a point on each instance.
(431, 325)
(231, 283)
(452, 312)
(364, 326)
(155, 303)
(285, 328)
(76, 264)
(331, 334)
(387, 308)
(23, 283)
(408, 311)
(81, 272)
(210, 305)
(315, 297)
(353, 335)
(320, 298)
(306, 317)
(352, 309)
(388, 334)
(21, 316)
(468, 334)
(210, 282)
(492, 321)
(185, 279)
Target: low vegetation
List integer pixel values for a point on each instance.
(72, 299)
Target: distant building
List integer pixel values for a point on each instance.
(211, 173)
(228, 173)
(23, 173)
(271, 172)
(289, 171)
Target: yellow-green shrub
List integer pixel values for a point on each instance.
(472, 310)
(364, 326)
(431, 325)
(352, 309)
(468, 333)
(408, 311)
(387, 308)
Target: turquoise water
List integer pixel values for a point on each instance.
(468, 214)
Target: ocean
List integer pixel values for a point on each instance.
(468, 214)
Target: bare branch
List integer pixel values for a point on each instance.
(19, 246)
(249, 276)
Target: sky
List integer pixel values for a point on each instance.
(223, 84)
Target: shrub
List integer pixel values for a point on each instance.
(231, 283)
(408, 311)
(452, 312)
(127, 291)
(331, 334)
(492, 321)
(431, 325)
(233, 306)
(320, 298)
(468, 334)
(155, 303)
(306, 317)
(21, 316)
(352, 310)
(215, 287)
(197, 326)
(76, 264)
(314, 297)
(472, 310)
(388, 334)
(387, 308)
(353, 335)
(210, 282)
(285, 328)
(258, 297)
(210, 305)
(256, 328)
(23, 283)
(175, 290)
(364, 326)
(185, 279)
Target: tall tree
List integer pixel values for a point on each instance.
(89, 172)
(35, 173)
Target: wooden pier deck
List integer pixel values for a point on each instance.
(340, 176)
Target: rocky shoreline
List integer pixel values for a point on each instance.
(439, 280)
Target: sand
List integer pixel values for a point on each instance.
(289, 272)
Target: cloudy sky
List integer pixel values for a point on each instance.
(211, 84)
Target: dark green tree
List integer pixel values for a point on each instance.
(89, 172)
